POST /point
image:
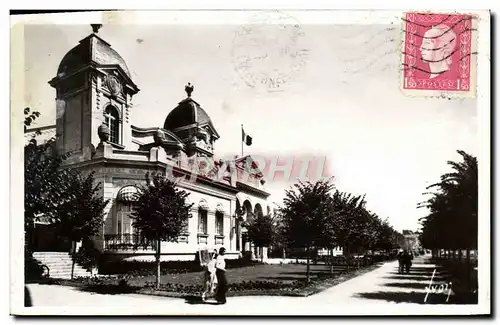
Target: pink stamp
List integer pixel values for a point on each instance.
(438, 55)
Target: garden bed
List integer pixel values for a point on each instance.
(259, 280)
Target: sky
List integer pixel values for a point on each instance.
(339, 98)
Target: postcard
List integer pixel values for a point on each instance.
(251, 162)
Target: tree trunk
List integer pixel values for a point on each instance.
(331, 262)
(308, 268)
(73, 251)
(468, 270)
(347, 258)
(158, 271)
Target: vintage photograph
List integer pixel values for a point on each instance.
(251, 163)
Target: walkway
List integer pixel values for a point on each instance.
(383, 286)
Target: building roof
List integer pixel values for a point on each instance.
(188, 112)
(91, 49)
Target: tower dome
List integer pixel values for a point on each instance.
(81, 56)
(92, 51)
(188, 113)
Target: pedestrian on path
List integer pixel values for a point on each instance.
(209, 278)
(222, 284)
(400, 261)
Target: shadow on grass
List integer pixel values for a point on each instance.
(419, 298)
(427, 269)
(110, 289)
(411, 277)
(405, 297)
(409, 285)
(414, 273)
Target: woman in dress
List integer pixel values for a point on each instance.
(209, 280)
(220, 272)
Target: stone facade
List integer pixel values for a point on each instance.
(95, 122)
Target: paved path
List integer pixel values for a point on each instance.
(383, 286)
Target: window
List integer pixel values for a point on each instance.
(124, 219)
(219, 223)
(202, 221)
(111, 119)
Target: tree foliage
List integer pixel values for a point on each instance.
(161, 213)
(80, 213)
(304, 213)
(261, 230)
(453, 207)
(305, 208)
(42, 178)
(317, 216)
(61, 196)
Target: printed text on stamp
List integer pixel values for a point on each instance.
(437, 52)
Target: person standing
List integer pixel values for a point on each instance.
(209, 279)
(220, 272)
(400, 261)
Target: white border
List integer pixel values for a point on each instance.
(309, 17)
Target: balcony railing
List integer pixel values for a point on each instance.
(128, 242)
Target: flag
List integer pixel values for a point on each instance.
(247, 139)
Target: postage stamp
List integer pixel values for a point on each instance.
(439, 55)
(267, 52)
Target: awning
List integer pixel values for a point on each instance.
(128, 193)
(203, 205)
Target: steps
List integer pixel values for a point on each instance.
(60, 264)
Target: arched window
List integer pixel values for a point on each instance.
(111, 119)
(126, 200)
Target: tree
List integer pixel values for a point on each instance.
(42, 179)
(329, 234)
(305, 208)
(161, 213)
(80, 214)
(347, 221)
(387, 238)
(452, 222)
(261, 231)
(454, 202)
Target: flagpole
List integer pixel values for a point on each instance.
(242, 140)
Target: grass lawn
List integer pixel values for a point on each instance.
(263, 279)
(286, 273)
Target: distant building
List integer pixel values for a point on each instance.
(94, 97)
(411, 240)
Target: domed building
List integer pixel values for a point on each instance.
(94, 96)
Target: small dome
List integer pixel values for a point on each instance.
(80, 56)
(188, 112)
